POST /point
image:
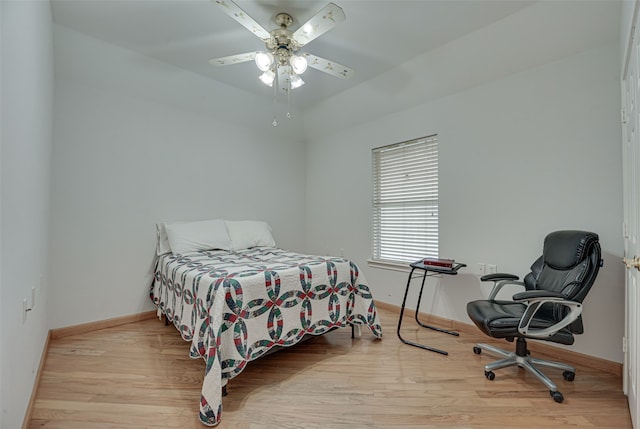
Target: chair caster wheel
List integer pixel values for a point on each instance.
(569, 376)
(557, 396)
(477, 350)
(490, 375)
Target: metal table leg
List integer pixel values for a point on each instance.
(404, 301)
(418, 309)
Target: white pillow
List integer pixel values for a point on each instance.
(162, 244)
(249, 233)
(185, 237)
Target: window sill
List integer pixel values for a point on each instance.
(389, 265)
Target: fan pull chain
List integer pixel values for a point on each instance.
(275, 94)
(288, 99)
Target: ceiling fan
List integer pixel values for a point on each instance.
(282, 62)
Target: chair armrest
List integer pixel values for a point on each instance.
(531, 294)
(499, 280)
(536, 299)
(498, 276)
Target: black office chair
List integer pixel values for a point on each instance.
(548, 310)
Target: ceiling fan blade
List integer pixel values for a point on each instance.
(330, 67)
(233, 59)
(323, 21)
(234, 11)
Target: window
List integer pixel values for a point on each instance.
(405, 201)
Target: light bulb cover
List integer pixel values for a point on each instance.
(296, 81)
(298, 64)
(264, 60)
(267, 77)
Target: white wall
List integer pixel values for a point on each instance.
(519, 157)
(138, 142)
(27, 97)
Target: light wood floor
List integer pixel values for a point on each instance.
(140, 376)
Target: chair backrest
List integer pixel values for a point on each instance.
(569, 265)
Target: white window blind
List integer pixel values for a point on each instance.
(405, 200)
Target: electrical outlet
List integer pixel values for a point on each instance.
(492, 268)
(481, 269)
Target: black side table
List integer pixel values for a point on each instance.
(429, 271)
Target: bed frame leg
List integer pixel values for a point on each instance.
(356, 331)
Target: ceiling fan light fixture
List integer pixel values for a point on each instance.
(267, 77)
(296, 81)
(264, 60)
(279, 62)
(298, 64)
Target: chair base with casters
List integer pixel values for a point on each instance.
(522, 358)
(549, 309)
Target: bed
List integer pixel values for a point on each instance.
(234, 305)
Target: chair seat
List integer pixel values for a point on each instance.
(500, 319)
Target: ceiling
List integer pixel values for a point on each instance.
(376, 36)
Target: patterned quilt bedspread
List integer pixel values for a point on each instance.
(235, 306)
